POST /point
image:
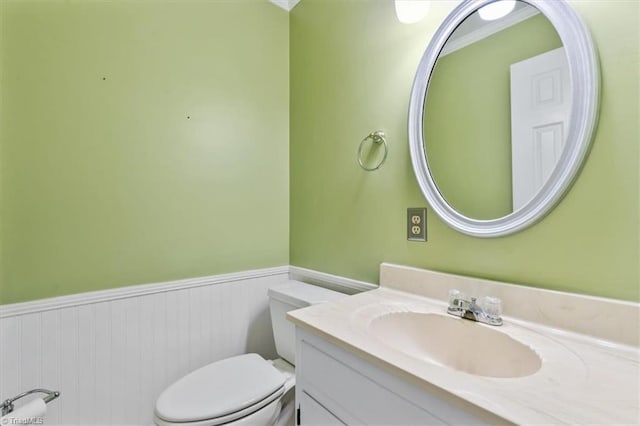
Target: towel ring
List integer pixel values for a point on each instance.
(377, 137)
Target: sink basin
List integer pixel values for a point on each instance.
(456, 343)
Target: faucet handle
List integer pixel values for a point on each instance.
(455, 297)
(492, 306)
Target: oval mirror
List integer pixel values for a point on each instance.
(503, 110)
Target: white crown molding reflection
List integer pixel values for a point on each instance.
(285, 4)
(489, 28)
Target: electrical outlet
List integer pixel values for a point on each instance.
(417, 224)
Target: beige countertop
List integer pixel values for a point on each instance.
(583, 379)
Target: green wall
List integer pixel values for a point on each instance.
(145, 141)
(141, 141)
(352, 66)
(479, 91)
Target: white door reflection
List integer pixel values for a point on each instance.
(540, 108)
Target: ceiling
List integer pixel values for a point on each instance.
(285, 4)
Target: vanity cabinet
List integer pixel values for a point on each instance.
(334, 387)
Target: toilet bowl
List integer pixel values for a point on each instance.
(244, 389)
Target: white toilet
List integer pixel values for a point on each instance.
(245, 389)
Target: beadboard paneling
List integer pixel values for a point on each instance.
(111, 353)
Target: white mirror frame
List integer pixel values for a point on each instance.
(585, 78)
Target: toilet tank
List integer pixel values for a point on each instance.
(286, 297)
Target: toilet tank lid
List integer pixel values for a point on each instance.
(301, 294)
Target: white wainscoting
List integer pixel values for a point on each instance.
(112, 352)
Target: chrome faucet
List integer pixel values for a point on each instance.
(488, 312)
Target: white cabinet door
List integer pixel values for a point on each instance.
(339, 385)
(341, 388)
(312, 413)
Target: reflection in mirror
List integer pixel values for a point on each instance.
(497, 112)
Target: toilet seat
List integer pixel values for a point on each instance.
(222, 392)
(266, 415)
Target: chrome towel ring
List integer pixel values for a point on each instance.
(377, 138)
